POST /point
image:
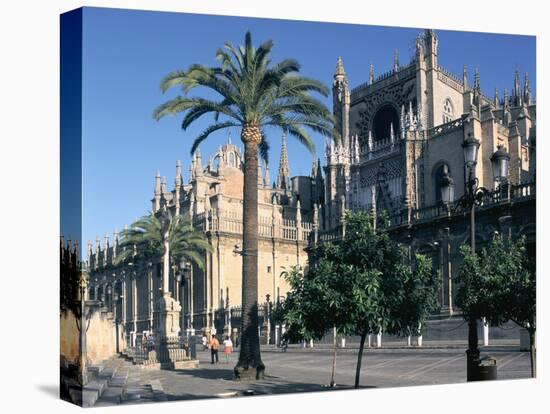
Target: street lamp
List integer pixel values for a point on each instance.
(500, 162)
(473, 196)
(181, 277)
(470, 147)
(447, 187)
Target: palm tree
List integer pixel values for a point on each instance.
(252, 94)
(165, 236)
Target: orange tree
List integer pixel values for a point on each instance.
(362, 285)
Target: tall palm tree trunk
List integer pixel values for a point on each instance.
(250, 365)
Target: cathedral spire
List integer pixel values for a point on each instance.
(178, 179)
(157, 191)
(396, 60)
(340, 68)
(198, 163)
(477, 82)
(506, 99)
(527, 90)
(506, 117)
(477, 89)
(497, 99)
(465, 77)
(516, 92)
(267, 180)
(283, 178)
(371, 74)
(260, 176)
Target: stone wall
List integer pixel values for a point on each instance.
(101, 337)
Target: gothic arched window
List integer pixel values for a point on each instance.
(448, 112)
(383, 120)
(231, 159)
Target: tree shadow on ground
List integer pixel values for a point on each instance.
(206, 373)
(268, 386)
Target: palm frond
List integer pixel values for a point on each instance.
(208, 131)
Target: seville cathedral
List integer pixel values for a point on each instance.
(402, 141)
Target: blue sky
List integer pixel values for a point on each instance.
(127, 53)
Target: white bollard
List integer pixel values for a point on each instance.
(368, 341)
(276, 335)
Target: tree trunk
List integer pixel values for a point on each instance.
(359, 359)
(333, 374)
(472, 354)
(250, 365)
(533, 353)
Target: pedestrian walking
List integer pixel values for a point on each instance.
(227, 348)
(214, 345)
(204, 343)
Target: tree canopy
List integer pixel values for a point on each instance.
(361, 285)
(146, 236)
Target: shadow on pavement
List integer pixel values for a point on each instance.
(270, 385)
(208, 373)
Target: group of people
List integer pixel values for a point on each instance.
(214, 346)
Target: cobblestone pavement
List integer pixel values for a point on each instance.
(299, 370)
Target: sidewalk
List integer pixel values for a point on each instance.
(308, 369)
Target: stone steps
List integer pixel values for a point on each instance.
(115, 385)
(158, 391)
(92, 392)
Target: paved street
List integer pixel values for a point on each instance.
(301, 370)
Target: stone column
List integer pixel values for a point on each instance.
(150, 300)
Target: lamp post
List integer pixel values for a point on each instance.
(268, 315)
(474, 195)
(447, 187)
(183, 279)
(500, 162)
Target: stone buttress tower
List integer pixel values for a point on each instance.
(337, 170)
